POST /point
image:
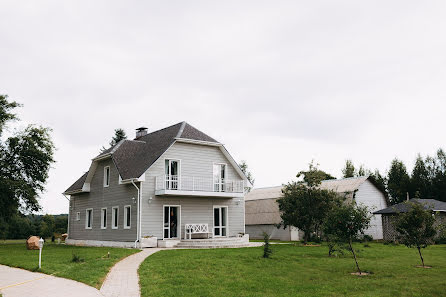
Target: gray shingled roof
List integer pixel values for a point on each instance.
(77, 186)
(133, 157)
(430, 204)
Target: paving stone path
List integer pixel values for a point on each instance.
(123, 279)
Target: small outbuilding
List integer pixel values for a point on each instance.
(389, 215)
(262, 211)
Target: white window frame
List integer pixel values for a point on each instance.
(113, 218)
(125, 216)
(227, 220)
(86, 218)
(169, 181)
(221, 184)
(107, 180)
(179, 220)
(78, 216)
(102, 218)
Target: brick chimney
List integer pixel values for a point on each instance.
(141, 131)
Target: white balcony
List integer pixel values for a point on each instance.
(176, 185)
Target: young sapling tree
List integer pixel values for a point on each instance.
(267, 251)
(416, 227)
(346, 221)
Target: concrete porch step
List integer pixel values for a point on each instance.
(213, 246)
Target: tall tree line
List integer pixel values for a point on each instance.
(20, 226)
(427, 179)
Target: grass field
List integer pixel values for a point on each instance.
(56, 259)
(294, 271)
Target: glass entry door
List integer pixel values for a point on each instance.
(172, 173)
(171, 222)
(220, 220)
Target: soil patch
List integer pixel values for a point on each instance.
(362, 273)
(425, 266)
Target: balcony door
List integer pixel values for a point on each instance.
(172, 170)
(219, 177)
(220, 221)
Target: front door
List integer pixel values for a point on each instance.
(220, 220)
(171, 223)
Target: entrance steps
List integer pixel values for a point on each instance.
(227, 242)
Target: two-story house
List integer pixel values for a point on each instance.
(164, 184)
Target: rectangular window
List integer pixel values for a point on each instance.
(104, 218)
(172, 170)
(106, 176)
(89, 218)
(78, 216)
(115, 213)
(127, 217)
(219, 171)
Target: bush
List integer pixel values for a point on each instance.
(266, 246)
(76, 259)
(367, 238)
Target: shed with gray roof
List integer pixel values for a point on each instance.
(262, 212)
(390, 214)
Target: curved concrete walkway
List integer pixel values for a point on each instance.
(123, 279)
(15, 282)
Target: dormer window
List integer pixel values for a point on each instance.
(106, 176)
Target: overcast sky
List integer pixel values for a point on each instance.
(278, 82)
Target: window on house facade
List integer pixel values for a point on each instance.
(115, 213)
(89, 218)
(106, 176)
(172, 170)
(104, 218)
(127, 217)
(78, 216)
(219, 177)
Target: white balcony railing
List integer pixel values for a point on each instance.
(198, 184)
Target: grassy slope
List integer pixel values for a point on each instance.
(56, 259)
(293, 271)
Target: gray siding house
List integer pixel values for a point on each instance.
(262, 210)
(161, 184)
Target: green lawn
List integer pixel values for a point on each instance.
(294, 271)
(56, 259)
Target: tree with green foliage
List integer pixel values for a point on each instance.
(398, 182)
(380, 180)
(314, 176)
(25, 161)
(349, 169)
(61, 224)
(119, 135)
(416, 227)
(419, 181)
(47, 226)
(362, 171)
(267, 251)
(244, 167)
(344, 222)
(303, 204)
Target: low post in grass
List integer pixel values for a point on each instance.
(266, 246)
(41, 241)
(346, 221)
(416, 227)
